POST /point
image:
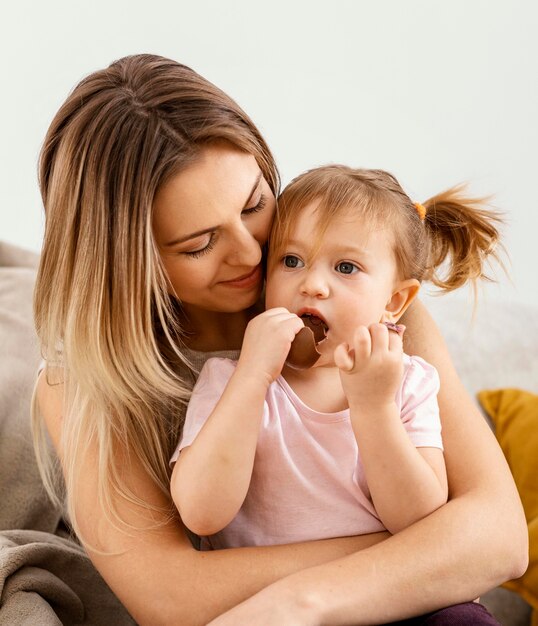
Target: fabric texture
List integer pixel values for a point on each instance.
(308, 482)
(45, 579)
(465, 614)
(515, 415)
(24, 503)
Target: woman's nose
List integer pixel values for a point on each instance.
(245, 249)
(314, 284)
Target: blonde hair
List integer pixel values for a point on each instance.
(448, 245)
(102, 308)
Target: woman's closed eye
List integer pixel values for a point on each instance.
(194, 254)
(346, 267)
(261, 204)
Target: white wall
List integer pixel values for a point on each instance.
(436, 92)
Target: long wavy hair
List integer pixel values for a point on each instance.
(102, 309)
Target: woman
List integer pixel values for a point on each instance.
(159, 193)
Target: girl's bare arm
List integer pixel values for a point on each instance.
(159, 577)
(211, 478)
(471, 544)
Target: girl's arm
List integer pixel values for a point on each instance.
(468, 546)
(406, 483)
(156, 573)
(212, 475)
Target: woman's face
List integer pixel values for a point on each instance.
(210, 223)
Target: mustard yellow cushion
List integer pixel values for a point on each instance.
(515, 415)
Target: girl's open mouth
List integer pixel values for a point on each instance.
(304, 352)
(316, 325)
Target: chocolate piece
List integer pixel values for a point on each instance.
(303, 353)
(316, 325)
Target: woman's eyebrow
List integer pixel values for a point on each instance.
(211, 229)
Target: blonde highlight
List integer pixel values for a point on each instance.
(102, 307)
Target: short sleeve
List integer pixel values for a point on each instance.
(209, 387)
(419, 407)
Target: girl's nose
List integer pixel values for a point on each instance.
(314, 284)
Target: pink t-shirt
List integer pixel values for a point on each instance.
(308, 481)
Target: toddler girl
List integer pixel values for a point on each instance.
(272, 454)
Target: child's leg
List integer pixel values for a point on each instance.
(466, 614)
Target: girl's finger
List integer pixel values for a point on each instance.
(343, 358)
(362, 344)
(296, 324)
(380, 338)
(396, 338)
(279, 310)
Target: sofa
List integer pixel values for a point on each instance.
(494, 346)
(45, 577)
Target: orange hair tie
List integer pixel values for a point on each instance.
(421, 210)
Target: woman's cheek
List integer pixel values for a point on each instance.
(183, 279)
(267, 222)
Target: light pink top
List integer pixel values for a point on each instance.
(308, 482)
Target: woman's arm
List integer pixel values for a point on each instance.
(158, 576)
(471, 544)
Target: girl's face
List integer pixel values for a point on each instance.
(210, 223)
(351, 281)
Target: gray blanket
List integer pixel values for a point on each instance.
(45, 578)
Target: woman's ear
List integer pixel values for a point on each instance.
(406, 291)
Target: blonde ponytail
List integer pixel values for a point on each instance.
(463, 237)
(447, 240)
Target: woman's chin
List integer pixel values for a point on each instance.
(241, 304)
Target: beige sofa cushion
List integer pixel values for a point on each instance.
(24, 502)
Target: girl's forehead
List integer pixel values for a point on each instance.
(312, 232)
(317, 218)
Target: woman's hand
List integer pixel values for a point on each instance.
(267, 342)
(371, 369)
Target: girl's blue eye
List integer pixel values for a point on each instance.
(293, 262)
(347, 268)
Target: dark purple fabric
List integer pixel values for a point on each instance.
(467, 614)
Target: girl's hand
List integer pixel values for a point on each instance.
(371, 369)
(267, 342)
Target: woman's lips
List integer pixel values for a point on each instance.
(247, 280)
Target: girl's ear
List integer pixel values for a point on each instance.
(406, 291)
